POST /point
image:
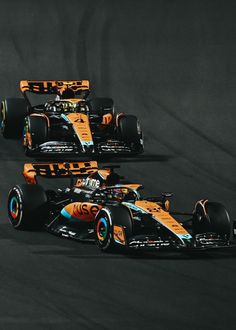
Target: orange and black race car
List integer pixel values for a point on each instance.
(70, 123)
(101, 206)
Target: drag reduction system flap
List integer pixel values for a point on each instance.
(58, 170)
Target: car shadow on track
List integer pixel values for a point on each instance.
(92, 254)
(144, 158)
(228, 253)
(108, 159)
(44, 244)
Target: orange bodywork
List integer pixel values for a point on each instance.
(73, 100)
(106, 119)
(27, 139)
(31, 171)
(84, 211)
(135, 186)
(162, 216)
(53, 86)
(119, 235)
(81, 126)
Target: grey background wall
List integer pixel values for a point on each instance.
(173, 64)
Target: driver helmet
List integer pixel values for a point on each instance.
(67, 93)
(119, 194)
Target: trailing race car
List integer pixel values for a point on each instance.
(70, 123)
(100, 206)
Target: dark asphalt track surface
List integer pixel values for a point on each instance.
(173, 64)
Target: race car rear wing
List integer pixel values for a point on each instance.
(57, 170)
(53, 86)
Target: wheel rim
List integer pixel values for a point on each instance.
(102, 229)
(14, 208)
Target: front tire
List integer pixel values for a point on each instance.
(27, 206)
(105, 221)
(212, 217)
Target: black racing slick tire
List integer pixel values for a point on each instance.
(129, 131)
(213, 217)
(13, 113)
(113, 228)
(27, 205)
(100, 105)
(36, 132)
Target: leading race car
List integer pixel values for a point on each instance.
(70, 123)
(101, 206)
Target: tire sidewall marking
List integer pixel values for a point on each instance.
(17, 194)
(109, 228)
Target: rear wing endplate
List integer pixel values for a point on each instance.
(57, 170)
(53, 86)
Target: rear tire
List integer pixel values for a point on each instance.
(215, 220)
(27, 206)
(13, 113)
(105, 221)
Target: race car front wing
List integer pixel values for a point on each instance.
(71, 148)
(199, 242)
